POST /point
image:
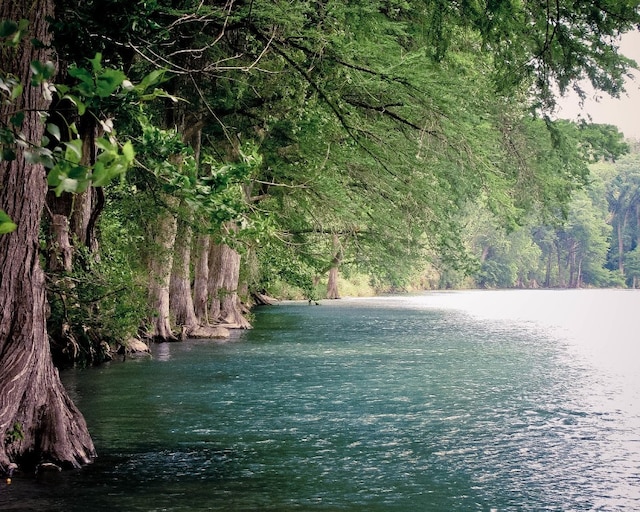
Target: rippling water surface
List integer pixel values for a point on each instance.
(511, 400)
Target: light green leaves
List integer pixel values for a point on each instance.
(41, 72)
(99, 81)
(70, 175)
(94, 84)
(112, 161)
(6, 224)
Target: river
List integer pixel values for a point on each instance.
(444, 401)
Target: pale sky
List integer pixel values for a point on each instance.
(623, 112)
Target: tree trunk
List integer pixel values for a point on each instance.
(573, 249)
(621, 225)
(180, 300)
(561, 281)
(160, 264)
(224, 275)
(37, 418)
(332, 283)
(547, 277)
(201, 278)
(86, 210)
(74, 217)
(637, 234)
(60, 253)
(88, 205)
(579, 277)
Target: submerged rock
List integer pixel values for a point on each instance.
(134, 346)
(206, 332)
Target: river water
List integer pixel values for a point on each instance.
(479, 400)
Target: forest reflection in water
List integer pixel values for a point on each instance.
(505, 400)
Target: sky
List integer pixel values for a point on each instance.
(623, 112)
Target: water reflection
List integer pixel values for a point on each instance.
(162, 351)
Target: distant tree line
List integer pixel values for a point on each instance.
(593, 242)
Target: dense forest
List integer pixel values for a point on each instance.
(591, 243)
(166, 165)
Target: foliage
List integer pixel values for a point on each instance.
(580, 247)
(100, 303)
(6, 224)
(353, 131)
(602, 142)
(60, 151)
(212, 189)
(62, 158)
(623, 198)
(16, 433)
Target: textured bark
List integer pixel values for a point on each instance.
(201, 278)
(86, 210)
(60, 248)
(32, 398)
(561, 281)
(215, 281)
(180, 300)
(72, 224)
(160, 264)
(332, 283)
(224, 275)
(88, 205)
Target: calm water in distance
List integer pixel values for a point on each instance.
(469, 401)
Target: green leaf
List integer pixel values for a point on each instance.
(128, 152)
(73, 152)
(54, 130)
(152, 79)
(55, 176)
(105, 144)
(7, 155)
(96, 62)
(81, 74)
(87, 86)
(159, 93)
(8, 28)
(16, 91)
(67, 185)
(108, 82)
(41, 72)
(40, 155)
(82, 186)
(17, 119)
(100, 175)
(77, 172)
(80, 105)
(6, 224)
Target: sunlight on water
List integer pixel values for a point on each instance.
(600, 331)
(600, 325)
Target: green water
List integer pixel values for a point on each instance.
(404, 403)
